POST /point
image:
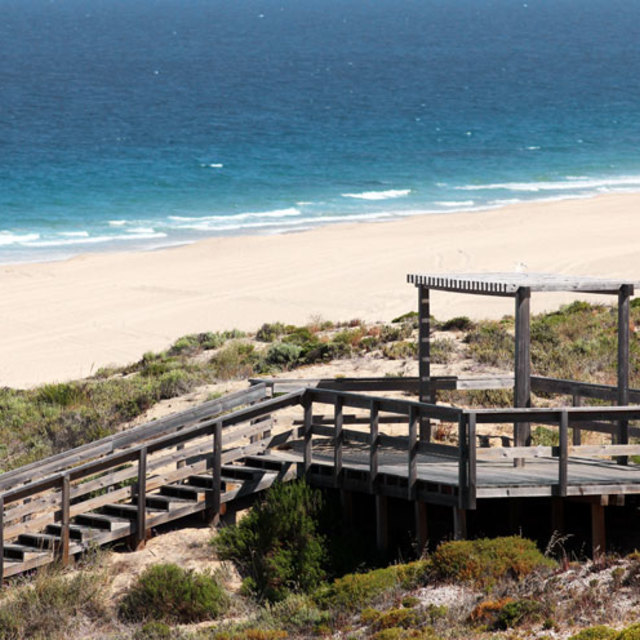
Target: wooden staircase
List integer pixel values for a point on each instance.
(120, 488)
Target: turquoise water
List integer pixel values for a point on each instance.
(147, 123)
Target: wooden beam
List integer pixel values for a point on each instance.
(412, 469)
(623, 362)
(65, 499)
(338, 442)
(1, 541)
(424, 359)
(141, 519)
(522, 384)
(422, 526)
(598, 531)
(308, 433)
(374, 443)
(459, 523)
(563, 457)
(382, 523)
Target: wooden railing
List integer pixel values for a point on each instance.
(139, 468)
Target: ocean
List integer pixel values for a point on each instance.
(138, 124)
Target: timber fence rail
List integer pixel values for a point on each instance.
(130, 473)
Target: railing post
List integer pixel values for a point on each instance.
(624, 295)
(1, 541)
(463, 461)
(412, 476)
(141, 516)
(216, 473)
(471, 491)
(577, 434)
(338, 441)
(563, 454)
(307, 403)
(374, 443)
(65, 495)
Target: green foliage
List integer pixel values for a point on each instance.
(168, 593)
(357, 590)
(518, 612)
(235, 360)
(399, 350)
(269, 332)
(277, 545)
(490, 343)
(630, 633)
(459, 323)
(442, 350)
(406, 317)
(46, 607)
(542, 436)
(297, 614)
(156, 631)
(284, 355)
(486, 561)
(600, 632)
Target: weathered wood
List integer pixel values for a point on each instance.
(308, 433)
(338, 442)
(472, 474)
(511, 453)
(141, 491)
(373, 445)
(522, 383)
(598, 530)
(412, 469)
(463, 461)
(624, 297)
(459, 523)
(422, 526)
(541, 384)
(216, 473)
(382, 523)
(576, 401)
(563, 458)
(64, 520)
(1, 541)
(424, 359)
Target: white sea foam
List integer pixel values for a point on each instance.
(303, 203)
(556, 185)
(67, 242)
(379, 195)
(117, 223)
(140, 230)
(74, 234)
(276, 213)
(455, 203)
(8, 238)
(212, 165)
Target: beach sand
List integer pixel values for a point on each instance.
(64, 320)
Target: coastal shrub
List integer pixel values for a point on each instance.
(168, 593)
(542, 436)
(283, 355)
(157, 631)
(49, 605)
(403, 618)
(399, 633)
(297, 613)
(485, 561)
(248, 633)
(269, 332)
(392, 333)
(442, 350)
(630, 633)
(459, 323)
(600, 632)
(65, 394)
(490, 343)
(276, 545)
(354, 591)
(399, 350)
(235, 360)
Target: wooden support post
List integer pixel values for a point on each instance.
(65, 500)
(1, 541)
(216, 474)
(577, 434)
(308, 433)
(374, 443)
(412, 474)
(459, 523)
(624, 295)
(598, 536)
(141, 519)
(424, 359)
(563, 458)
(422, 527)
(382, 523)
(338, 441)
(463, 461)
(522, 386)
(557, 515)
(471, 477)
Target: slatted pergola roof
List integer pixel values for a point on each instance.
(520, 286)
(507, 284)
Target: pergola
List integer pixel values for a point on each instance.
(520, 286)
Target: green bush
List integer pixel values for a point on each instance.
(518, 612)
(630, 633)
(486, 561)
(283, 355)
(459, 323)
(442, 350)
(399, 350)
(277, 545)
(47, 607)
(357, 590)
(168, 593)
(269, 332)
(490, 343)
(156, 631)
(595, 633)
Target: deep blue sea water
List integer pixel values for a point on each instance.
(145, 123)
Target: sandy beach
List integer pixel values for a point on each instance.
(64, 320)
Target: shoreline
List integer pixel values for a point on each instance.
(65, 319)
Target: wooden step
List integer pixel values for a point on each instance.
(22, 552)
(195, 494)
(76, 531)
(40, 541)
(165, 503)
(265, 462)
(102, 521)
(241, 472)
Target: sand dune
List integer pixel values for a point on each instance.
(63, 320)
